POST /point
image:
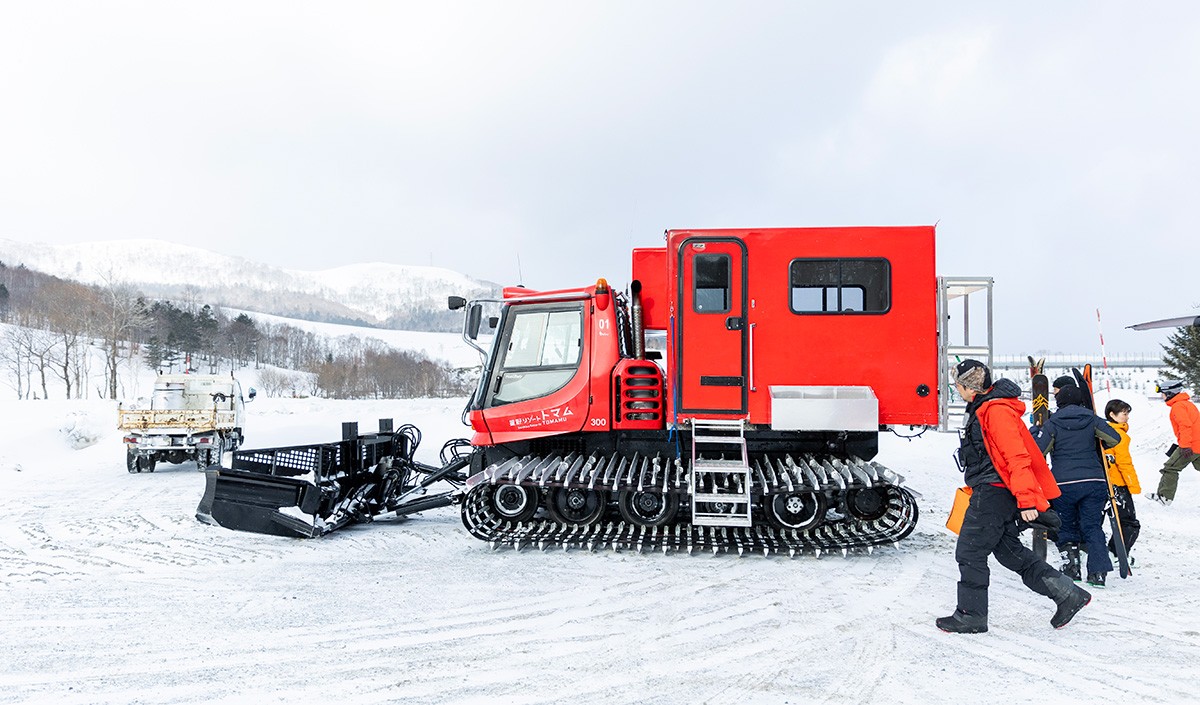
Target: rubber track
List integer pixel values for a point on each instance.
(616, 472)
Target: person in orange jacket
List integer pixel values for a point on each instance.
(1185, 421)
(1122, 476)
(1010, 481)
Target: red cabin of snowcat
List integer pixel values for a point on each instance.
(760, 324)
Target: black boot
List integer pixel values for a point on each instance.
(962, 623)
(1070, 558)
(1096, 579)
(1069, 606)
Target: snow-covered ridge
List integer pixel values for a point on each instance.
(375, 293)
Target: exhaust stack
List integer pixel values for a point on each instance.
(635, 311)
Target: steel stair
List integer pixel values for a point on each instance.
(720, 484)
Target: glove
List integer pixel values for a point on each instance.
(1185, 453)
(1049, 520)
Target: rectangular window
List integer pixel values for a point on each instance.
(710, 281)
(840, 285)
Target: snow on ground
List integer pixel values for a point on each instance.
(113, 593)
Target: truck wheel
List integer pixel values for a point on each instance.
(131, 461)
(146, 463)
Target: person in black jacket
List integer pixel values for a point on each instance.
(1010, 482)
(1069, 436)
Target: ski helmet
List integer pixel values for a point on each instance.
(1168, 386)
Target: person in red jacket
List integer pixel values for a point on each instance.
(1185, 421)
(1010, 481)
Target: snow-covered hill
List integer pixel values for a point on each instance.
(377, 293)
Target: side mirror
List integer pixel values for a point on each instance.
(253, 393)
(456, 302)
(474, 319)
(493, 321)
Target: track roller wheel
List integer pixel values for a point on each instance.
(867, 503)
(576, 506)
(647, 508)
(799, 511)
(514, 502)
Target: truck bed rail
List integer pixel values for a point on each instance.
(192, 420)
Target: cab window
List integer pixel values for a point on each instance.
(542, 350)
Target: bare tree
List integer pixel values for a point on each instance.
(15, 359)
(120, 314)
(35, 347)
(69, 308)
(273, 382)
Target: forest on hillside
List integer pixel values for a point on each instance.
(57, 329)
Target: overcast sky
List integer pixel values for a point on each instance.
(1055, 144)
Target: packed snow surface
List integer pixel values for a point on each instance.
(112, 592)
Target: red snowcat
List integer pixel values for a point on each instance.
(730, 399)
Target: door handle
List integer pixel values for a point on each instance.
(751, 353)
(733, 323)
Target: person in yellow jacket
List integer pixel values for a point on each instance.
(1185, 421)
(1122, 475)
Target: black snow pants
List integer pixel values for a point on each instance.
(990, 529)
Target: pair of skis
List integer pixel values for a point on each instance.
(1040, 385)
(1084, 379)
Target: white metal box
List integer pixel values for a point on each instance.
(824, 408)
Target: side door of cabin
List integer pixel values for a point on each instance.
(712, 329)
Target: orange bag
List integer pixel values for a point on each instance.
(962, 497)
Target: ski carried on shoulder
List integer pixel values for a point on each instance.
(1084, 379)
(1040, 392)
(1040, 387)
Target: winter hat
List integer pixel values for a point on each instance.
(1064, 381)
(973, 374)
(1069, 395)
(1169, 386)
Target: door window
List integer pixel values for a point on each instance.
(541, 354)
(711, 282)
